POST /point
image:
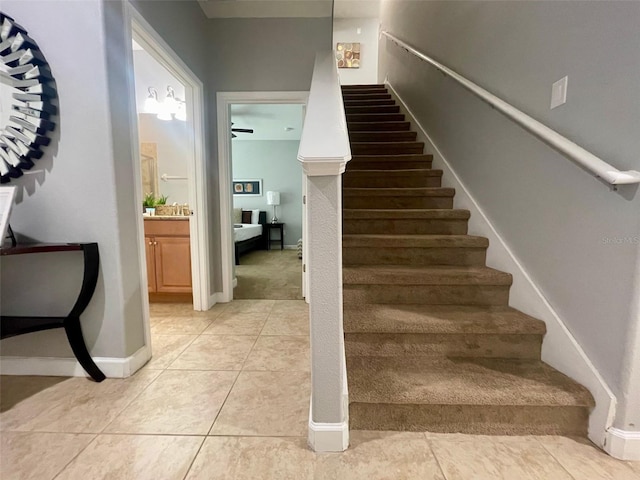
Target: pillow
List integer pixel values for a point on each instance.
(237, 215)
(246, 216)
(255, 216)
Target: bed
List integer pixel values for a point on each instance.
(249, 237)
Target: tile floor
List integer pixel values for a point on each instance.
(226, 397)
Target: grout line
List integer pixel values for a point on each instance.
(435, 457)
(135, 397)
(95, 436)
(544, 447)
(193, 460)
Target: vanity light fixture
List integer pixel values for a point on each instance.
(151, 104)
(170, 108)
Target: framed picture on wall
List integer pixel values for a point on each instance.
(248, 187)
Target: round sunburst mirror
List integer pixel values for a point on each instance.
(27, 96)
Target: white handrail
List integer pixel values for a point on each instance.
(572, 151)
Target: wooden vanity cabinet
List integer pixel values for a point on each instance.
(168, 250)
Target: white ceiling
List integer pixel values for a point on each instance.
(289, 8)
(267, 121)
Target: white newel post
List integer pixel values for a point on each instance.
(324, 152)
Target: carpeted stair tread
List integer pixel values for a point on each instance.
(346, 96)
(407, 213)
(406, 157)
(457, 381)
(379, 136)
(407, 241)
(428, 172)
(423, 275)
(372, 109)
(363, 86)
(440, 319)
(378, 126)
(359, 102)
(400, 192)
(374, 117)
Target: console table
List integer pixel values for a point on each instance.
(10, 326)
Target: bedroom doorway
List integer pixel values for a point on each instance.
(261, 199)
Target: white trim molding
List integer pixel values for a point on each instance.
(623, 444)
(559, 348)
(328, 437)
(112, 367)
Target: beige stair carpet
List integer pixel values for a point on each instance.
(431, 341)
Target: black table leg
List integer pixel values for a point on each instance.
(72, 322)
(76, 340)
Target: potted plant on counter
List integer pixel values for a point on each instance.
(149, 203)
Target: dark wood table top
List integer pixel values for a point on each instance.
(41, 248)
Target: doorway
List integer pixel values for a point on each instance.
(265, 139)
(227, 104)
(177, 262)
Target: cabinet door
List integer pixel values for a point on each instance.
(151, 264)
(173, 264)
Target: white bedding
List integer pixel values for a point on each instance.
(247, 231)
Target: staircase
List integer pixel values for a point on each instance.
(431, 342)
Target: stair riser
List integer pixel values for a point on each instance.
(384, 117)
(388, 164)
(471, 419)
(363, 201)
(427, 294)
(367, 102)
(380, 126)
(382, 136)
(347, 96)
(359, 88)
(452, 345)
(413, 256)
(405, 227)
(416, 180)
(392, 148)
(373, 109)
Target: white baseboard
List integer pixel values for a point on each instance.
(235, 282)
(623, 444)
(69, 367)
(328, 437)
(559, 349)
(291, 247)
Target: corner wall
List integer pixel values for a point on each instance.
(577, 239)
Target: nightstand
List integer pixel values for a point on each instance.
(275, 226)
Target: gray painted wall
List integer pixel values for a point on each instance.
(78, 191)
(276, 163)
(577, 239)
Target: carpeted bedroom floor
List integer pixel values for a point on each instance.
(269, 274)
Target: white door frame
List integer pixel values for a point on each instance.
(224, 101)
(153, 43)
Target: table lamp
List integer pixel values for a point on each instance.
(273, 198)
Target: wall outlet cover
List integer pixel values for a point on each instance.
(559, 92)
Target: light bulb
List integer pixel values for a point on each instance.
(151, 104)
(181, 114)
(170, 101)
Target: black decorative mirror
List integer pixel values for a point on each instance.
(27, 97)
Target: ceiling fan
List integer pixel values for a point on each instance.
(240, 130)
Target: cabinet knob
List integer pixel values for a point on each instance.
(150, 243)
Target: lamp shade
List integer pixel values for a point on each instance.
(273, 198)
